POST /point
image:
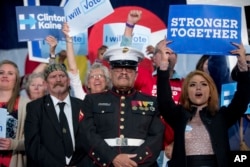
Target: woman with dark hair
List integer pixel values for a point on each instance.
(200, 125)
(202, 64)
(217, 67)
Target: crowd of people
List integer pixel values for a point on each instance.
(123, 115)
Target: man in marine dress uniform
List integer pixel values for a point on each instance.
(122, 126)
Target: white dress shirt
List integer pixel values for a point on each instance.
(68, 113)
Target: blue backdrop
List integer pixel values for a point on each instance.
(8, 32)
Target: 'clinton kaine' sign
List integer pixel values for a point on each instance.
(204, 29)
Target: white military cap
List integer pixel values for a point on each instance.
(123, 57)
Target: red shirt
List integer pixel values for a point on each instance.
(146, 83)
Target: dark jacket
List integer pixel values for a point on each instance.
(43, 137)
(216, 125)
(114, 114)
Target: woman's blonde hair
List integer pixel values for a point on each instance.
(16, 89)
(213, 101)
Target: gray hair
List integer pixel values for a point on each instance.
(105, 71)
(31, 78)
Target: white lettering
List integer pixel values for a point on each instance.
(49, 25)
(237, 158)
(88, 4)
(204, 22)
(200, 33)
(174, 22)
(240, 158)
(47, 17)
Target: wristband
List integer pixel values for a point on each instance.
(52, 56)
(69, 40)
(130, 25)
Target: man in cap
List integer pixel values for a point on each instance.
(122, 126)
(52, 124)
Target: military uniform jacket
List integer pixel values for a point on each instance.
(127, 115)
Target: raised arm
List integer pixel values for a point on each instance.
(70, 50)
(241, 56)
(241, 99)
(75, 81)
(133, 17)
(166, 103)
(52, 42)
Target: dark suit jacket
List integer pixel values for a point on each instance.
(43, 138)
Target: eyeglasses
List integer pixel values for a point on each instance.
(97, 76)
(120, 69)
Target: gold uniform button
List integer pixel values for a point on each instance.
(140, 158)
(98, 159)
(93, 153)
(103, 111)
(121, 127)
(122, 119)
(122, 112)
(146, 153)
(122, 97)
(122, 104)
(104, 164)
(122, 136)
(143, 113)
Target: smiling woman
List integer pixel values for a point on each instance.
(98, 79)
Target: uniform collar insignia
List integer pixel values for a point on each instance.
(120, 92)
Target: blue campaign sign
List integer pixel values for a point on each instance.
(39, 50)
(227, 93)
(37, 22)
(204, 29)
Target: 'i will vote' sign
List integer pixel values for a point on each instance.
(204, 29)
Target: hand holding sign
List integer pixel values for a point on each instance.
(240, 51)
(52, 41)
(165, 53)
(5, 143)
